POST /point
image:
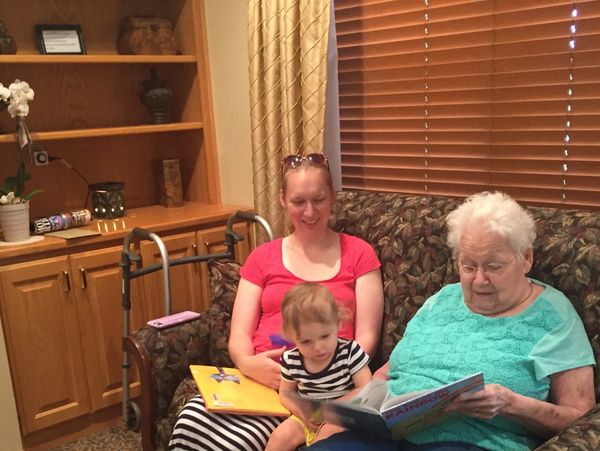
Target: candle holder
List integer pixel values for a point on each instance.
(108, 200)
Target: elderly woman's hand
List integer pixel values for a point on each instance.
(262, 368)
(484, 404)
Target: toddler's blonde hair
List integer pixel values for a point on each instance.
(307, 302)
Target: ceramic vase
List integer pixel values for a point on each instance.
(14, 222)
(156, 97)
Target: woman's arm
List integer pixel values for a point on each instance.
(244, 321)
(571, 396)
(382, 372)
(369, 310)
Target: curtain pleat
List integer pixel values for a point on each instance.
(288, 76)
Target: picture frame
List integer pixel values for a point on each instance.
(59, 39)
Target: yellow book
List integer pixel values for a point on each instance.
(226, 390)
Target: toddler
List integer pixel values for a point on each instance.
(321, 366)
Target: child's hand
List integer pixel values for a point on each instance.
(310, 422)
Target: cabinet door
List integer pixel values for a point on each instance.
(184, 279)
(212, 241)
(39, 316)
(97, 282)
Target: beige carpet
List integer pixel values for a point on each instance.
(117, 438)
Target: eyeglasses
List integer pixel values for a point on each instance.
(313, 159)
(490, 269)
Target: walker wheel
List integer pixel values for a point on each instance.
(134, 416)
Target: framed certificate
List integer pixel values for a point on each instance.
(60, 39)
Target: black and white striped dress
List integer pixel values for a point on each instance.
(198, 429)
(333, 381)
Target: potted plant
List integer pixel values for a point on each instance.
(14, 202)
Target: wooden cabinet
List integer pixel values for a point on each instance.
(97, 285)
(43, 340)
(189, 283)
(184, 279)
(63, 317)
(212, 241)
(87, 111)
(60, 300)
(64, 322)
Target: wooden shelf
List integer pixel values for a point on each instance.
(87, 109)
(107, 131)
(96, 59)
(156, 218)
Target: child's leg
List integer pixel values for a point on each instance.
(288, 436)
(328, 429)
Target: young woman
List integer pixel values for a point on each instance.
(344, 264)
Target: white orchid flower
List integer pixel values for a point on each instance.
(4, 93)
(20, 94)
(8, 199)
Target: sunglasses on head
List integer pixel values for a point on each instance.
(293, 161)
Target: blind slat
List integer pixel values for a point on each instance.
(461, 96)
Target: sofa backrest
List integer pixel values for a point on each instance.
(408, 233)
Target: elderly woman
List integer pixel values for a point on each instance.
(522, 334)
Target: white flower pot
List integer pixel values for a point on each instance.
(14, 222)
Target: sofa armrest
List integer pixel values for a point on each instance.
(582, 434)
(163, 358)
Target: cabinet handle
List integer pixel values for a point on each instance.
(206, 243)
(67, 281)
(195, 247)
(83, 278)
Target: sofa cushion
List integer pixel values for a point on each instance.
(224, 278)
(408, 234)
(566, 255)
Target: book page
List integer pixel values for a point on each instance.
(371, 395)
(391, 400)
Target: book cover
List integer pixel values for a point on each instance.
(373, 410)
(227, 390)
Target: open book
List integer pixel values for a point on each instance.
(226, 390)
(373, 410)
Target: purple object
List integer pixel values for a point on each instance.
(278, 341)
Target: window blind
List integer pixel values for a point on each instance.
(455, 97)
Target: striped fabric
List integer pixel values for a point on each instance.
(335, 380)
(198, 429)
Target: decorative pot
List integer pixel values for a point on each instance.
(8, 46)
(156, 97)
(14, 222)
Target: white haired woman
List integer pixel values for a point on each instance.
(524, 335)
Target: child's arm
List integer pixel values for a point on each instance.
(361, 378)
(286, 387)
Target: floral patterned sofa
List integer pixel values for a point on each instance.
(408, 234)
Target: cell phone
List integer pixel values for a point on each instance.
(173, 320)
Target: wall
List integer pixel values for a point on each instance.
(227, 25)
(10, 437)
